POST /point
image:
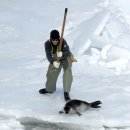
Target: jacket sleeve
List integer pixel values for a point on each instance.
(48, 52)
(65, 49)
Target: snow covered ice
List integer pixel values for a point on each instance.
(98, 33)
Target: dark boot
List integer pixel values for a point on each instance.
(66, 96)
(43, 91)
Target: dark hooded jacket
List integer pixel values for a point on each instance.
(51, 50)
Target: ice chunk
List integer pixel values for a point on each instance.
(115, 28)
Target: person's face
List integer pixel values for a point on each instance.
(55, 41)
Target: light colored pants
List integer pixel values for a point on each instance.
(52, 76)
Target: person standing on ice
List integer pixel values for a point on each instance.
(54, 69)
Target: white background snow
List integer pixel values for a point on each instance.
(98, 33)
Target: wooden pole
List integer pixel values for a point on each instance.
(61, 38)
(62, 31)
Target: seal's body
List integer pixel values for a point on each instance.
(77, 106)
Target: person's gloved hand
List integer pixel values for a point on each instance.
(59, 54)
(56, 64)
